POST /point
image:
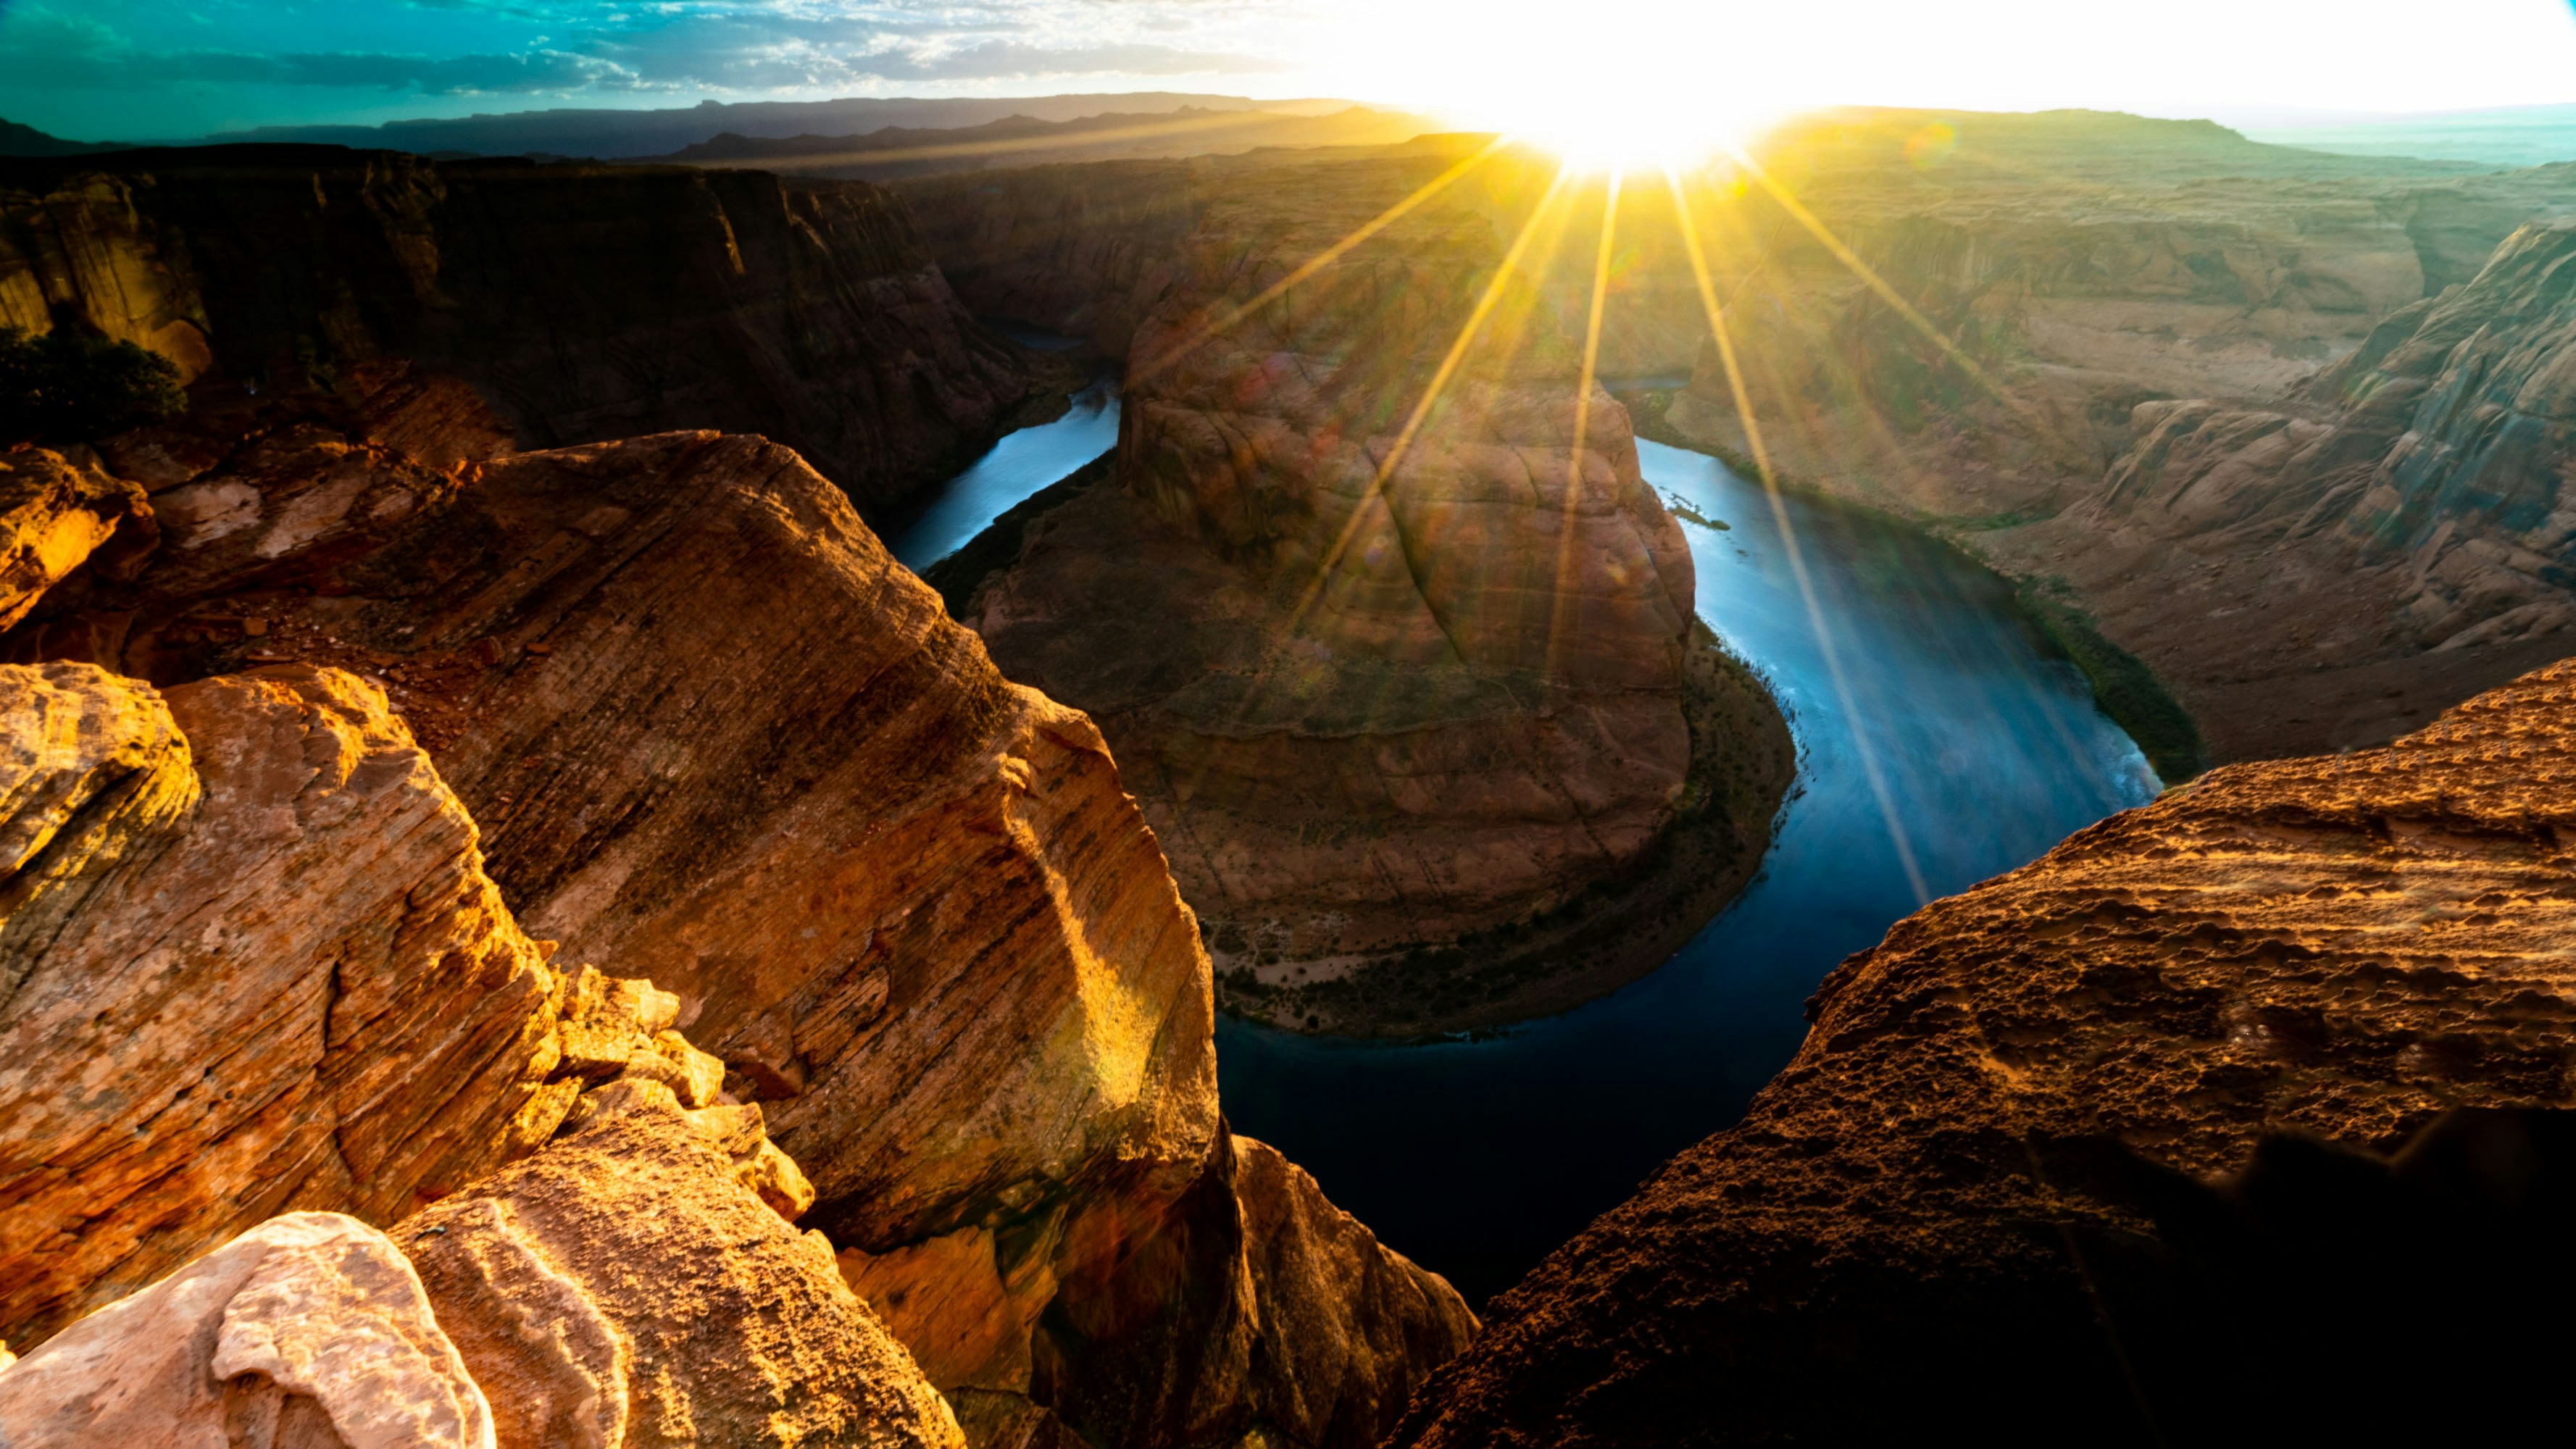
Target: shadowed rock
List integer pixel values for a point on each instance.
(1945, 1210)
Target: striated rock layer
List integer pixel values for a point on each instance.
(718, 737)
(1964, 1206)
(249, 961)
(585, 302)
(1387, 679)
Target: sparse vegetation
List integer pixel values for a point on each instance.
(2126, 688)
(69, 386)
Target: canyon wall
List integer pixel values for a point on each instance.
(1974, 1203)
(583, 302)
(2085, 287)
(1398, 681)
(717, 737)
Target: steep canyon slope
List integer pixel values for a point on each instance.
(1411, 691)
(583, 302)
(2061, 272)
(1968, 1206)
(716, 736)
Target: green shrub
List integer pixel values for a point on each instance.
(70, 387)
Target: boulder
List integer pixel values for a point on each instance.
(311, 1331)
(625, 1286)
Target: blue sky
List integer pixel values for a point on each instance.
(152, 69)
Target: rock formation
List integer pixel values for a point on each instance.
(252, 964)
(311, 1331)
(585, 302)
(622, 1287)
(905, 902)
(1387, 684)
(1966, 1205)
(54, 516)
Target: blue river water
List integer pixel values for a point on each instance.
(1479, 1157)
(1020, 464)
(1938, 745)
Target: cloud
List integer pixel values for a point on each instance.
(525, 73)
(1009, 59)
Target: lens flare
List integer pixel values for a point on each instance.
(1643, 86)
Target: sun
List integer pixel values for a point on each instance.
(1611, 85)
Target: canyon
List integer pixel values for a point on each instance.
(1955, 318)
(1413, 693)
(899, 956)
(524, 923)
(583, 303)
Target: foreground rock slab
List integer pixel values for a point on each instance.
(309, 1332)
(622, 1287)
(1956, 1204)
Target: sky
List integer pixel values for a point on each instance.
(174, 69)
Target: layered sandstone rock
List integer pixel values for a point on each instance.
(2396, 521)
(1385, 682)
(717, 736)
(585, 302)
(252, 963)
(311, 1331)
(1964, 1207)
(53, 516)
(620, 1287)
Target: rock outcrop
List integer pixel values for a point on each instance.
(622, 1287)
(311, 1331)
(585, 302)
(1966, 1206)
(907, 903)
(1389, 681)
(53, 516)
(252, 963)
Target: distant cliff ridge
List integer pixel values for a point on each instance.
(585, 303)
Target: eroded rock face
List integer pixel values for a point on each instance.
(906, 903)
(252, 963)
(584, 302)
(311, 1331)
(621, 1287)
(1930, 1218)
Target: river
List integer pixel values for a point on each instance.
(1020, 464)
(1938, 746)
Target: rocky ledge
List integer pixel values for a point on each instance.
(708, 731)
(1979, 1199)
(584, 303)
